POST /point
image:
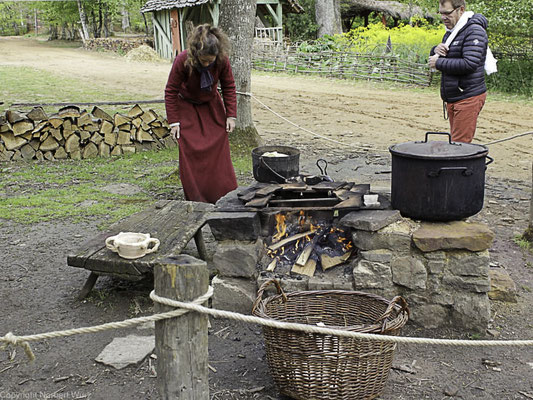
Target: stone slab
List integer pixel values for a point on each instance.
(234, 225)
(237, 259)
(432, 236)
(124, 351)
(370, 220)
(232, 294)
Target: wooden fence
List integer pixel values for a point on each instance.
(344, 65)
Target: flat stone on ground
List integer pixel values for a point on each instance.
(370, 220)
(124, 351)
(502, 287)
(433, 236)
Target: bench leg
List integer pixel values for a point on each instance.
(89, 284)
(200, 244)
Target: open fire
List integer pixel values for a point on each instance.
(303, 246)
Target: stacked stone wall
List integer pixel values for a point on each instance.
(441, 269)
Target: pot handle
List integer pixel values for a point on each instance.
(156, 244)
(439, 133)
(110, 243)
(491, 160)
(325, 170)
(271, 170)
(435, 174)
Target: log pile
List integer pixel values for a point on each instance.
(79, 134)
(116, 44)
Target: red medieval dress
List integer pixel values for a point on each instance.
(205, 167)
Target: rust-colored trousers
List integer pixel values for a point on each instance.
(463, 117)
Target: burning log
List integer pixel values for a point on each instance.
(305, 254)
(290, 239)
(272, 266)
(308, 269)
(328, 262)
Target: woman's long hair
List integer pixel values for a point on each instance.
(206, 40)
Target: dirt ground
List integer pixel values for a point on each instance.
(38, 290)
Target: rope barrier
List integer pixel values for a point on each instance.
(335, 332)
(365, 148)
(196, 305)
(22, 341)
(509, 138)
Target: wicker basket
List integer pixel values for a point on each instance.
(309, 366)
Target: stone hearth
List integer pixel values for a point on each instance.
(441, 269)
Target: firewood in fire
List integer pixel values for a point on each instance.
(329, 261)
(290, 239)
(308, 269)
(272, 265)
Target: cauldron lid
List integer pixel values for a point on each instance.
(439, 149)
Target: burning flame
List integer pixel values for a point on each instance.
(281, 227)
(301, 219)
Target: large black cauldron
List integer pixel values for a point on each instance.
(438, 181)
(275, 169)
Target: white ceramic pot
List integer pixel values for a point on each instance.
(132, 245)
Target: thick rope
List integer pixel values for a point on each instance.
(10, 339)
(509, 138)
(365, 148)
(22, 341)
(334, 332)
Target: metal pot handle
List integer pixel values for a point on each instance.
(271, 170)
(491, 160)
(325, 170)
(439, 133)
(466, 171)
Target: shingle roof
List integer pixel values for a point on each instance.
(156, 5)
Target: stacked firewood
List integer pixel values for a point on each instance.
(78, 134)
(116, 44)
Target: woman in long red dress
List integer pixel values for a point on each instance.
(199, 119)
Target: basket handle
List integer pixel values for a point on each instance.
(262, 290)
(397, 300)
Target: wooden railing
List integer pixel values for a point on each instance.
(270, 34)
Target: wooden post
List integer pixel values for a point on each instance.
(181, 343)
(529, 232)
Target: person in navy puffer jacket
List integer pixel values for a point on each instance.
(461, 61)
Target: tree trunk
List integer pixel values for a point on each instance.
(107, 30)
(241, 34)
(83, 19)
(125, 18)
(328, 17)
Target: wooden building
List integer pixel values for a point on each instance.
(171, 17)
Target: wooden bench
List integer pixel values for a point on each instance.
(173, 222)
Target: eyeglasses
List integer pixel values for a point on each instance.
(448, 13)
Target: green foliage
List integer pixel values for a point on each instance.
(299, 27)
(506, 17)
(513, 76)
(16, 18)
(412, 43)
(13, 18)
(409, 42)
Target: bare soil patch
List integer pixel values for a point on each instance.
(38, 289)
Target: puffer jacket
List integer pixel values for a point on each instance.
(463, 68)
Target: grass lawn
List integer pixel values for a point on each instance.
(31, 192)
